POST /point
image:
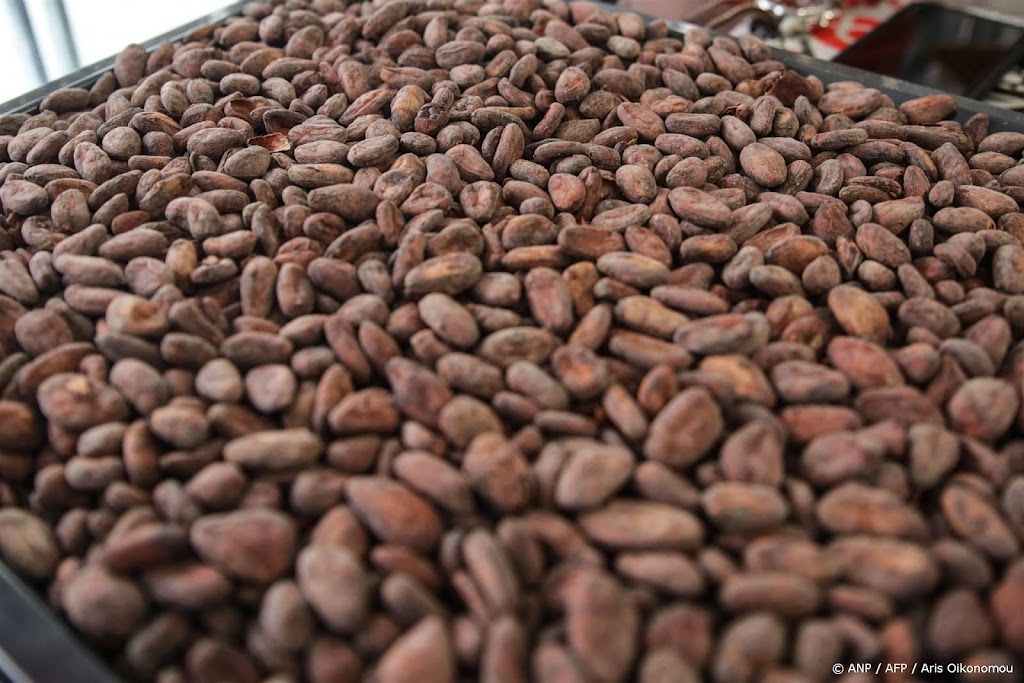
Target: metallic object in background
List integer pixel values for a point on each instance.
(45, 28)
(721, 15)
(20, 13)
(61, 12)
(57, 43)
(800, 16)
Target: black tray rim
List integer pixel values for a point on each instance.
(36, 646)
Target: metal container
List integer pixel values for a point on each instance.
(35, 645)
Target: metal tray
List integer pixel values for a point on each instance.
(35, 646)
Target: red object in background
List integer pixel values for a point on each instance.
(857, 18)
(858, 27)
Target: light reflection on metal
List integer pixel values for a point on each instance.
(24, 26)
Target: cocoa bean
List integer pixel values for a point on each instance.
(411, 342)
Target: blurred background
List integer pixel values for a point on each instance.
(42, 40)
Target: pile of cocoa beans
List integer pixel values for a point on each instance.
(431, 341)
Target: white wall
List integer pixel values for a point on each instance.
(100, 28)
(19, 72)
